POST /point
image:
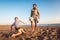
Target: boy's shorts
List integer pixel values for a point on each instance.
(17, 28)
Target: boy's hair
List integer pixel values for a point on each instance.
(16, 17)
(34, 4)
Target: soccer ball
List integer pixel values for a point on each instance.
(31, 18)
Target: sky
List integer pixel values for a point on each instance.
(49, 11)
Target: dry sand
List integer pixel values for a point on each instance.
(43, 33)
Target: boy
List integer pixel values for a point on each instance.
(16, 25)
(35, 15)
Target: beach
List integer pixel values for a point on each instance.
(42, 33)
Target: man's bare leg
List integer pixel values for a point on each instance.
(32, 26)
(36, 25)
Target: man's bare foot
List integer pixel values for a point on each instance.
(33, 31)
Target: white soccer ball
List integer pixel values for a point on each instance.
(31, 18)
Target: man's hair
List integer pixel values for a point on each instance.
(34, 4)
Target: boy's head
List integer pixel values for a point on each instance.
(16, 18)
(34, 5)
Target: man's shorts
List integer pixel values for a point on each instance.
(34, 19)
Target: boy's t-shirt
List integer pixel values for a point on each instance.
(16, 23)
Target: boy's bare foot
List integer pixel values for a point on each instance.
(13, 36)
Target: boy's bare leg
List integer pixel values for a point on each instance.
(23, 31)
(14, 35)
(18, 33)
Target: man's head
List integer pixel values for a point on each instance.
(34, 6)
(16, 18)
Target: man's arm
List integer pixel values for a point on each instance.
(31, 14)
(38, 14)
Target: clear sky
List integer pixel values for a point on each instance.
(49, 11)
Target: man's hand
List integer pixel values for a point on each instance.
(38, 17)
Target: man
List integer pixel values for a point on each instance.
(35, 15)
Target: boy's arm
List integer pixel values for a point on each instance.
(38, 14)
(21, 21)
(12, 26)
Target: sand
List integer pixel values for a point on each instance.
(42, 33)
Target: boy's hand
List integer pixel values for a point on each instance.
(23, 23)
(11, 30)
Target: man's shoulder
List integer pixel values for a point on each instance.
(33, 9)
